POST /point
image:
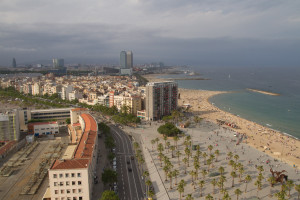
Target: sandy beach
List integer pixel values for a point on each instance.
(271, 142)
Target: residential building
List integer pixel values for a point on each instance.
(73, 177)
(58, 63)
(9, 126)
(161, 99)
(43, 128)
(123, 60)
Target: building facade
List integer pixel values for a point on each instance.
(43, 128)
(73, 178)
(9, 126)
(58, 63)
(129, 62)
(123, 60)
(161, 99)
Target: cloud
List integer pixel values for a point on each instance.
(167, 30)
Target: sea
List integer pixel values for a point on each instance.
(281, 113)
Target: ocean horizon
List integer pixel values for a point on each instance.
(281, 113)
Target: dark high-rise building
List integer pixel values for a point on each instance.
(123, 60)
(161, 99)
(14, 63)
(58, 63)
(129, 59)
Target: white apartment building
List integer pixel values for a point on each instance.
(43, 128)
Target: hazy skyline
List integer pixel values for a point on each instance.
(191, 32)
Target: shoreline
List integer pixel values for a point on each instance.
(262, 138)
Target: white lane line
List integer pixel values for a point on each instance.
(132, 167)
(118, 135)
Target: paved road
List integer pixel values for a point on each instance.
(130, 184)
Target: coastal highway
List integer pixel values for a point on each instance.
(130, 183)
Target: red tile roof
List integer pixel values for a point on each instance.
(70, 164)
(84, 150)
(79, 109)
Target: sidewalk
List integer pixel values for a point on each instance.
(157, 182)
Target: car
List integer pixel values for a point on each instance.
(128, 162)
(129, 169)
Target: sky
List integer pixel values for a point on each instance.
(176, 32)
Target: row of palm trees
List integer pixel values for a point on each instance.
(209, 159)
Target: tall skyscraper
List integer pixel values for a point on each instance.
(123, 60)
(129, 59)
(58, 63)
(161, 99)
(14, 63)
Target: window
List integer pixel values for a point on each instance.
(67, 175)
(78, 174)
(61, 183)
(68, 191)
(56, 191)
(74, 191)
(79, 191)
(73, 183)
(54, 175)
(69, 198)
(74, 198)
(67, 183)
(79, 182)
(55, 183)
(61, 175)
(80, 198)
(73, 175)
(62, 191)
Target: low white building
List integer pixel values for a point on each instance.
(43, 128)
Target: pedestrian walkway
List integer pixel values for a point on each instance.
(160, 190)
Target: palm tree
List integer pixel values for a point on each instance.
(156, 140)
(209, 162)
(221, 170)
(185, 161)
(166, 170)
(192, 173)
(241, 172)
(188, 154)
(289, 185)
(201, 185)
(214, 183)
(233, 175)
(210, 147)
(178, 153)
(148, 184)
(196, 166)
(146, 174)
(170, 175)
(168, 145)
(160, 148)
(172, 149)
(209, 197)
(189, 197)
(236, 157)
(297, 188)
(258, 184)
(260, 169)
(237, 192)
(175, 174)
(247, 179)
(272, 181)
(212, 157)
(153, 142)
(226, 196)
(222, 180)
(260, 177)
(180, 189)
(161, 156)
(281, 195)
(204, 155)
(182, 182)
(231, 163)
(150, 193)
(165, 138)
(230, 154)
(204, 173)
(217, 152)
(175, 138)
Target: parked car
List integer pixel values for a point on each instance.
(129, 169)
(128, 162)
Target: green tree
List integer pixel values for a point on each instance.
(248, 179)
(236, 157)
(210, 148)
(272, 181)
(214, 183)
(289, 185)
(204, 173)
(148, 184)
(169, 130)
(233, 175)
(153, 142)
(209, 197)
(217, 152)
(109, 176)
(230, 154)
(175, 174)
(178, 153)
(68, 121)
(237, 192)
(221, 170)
(109, 195)
(189, 197)
(258, 184)
(201, 185)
